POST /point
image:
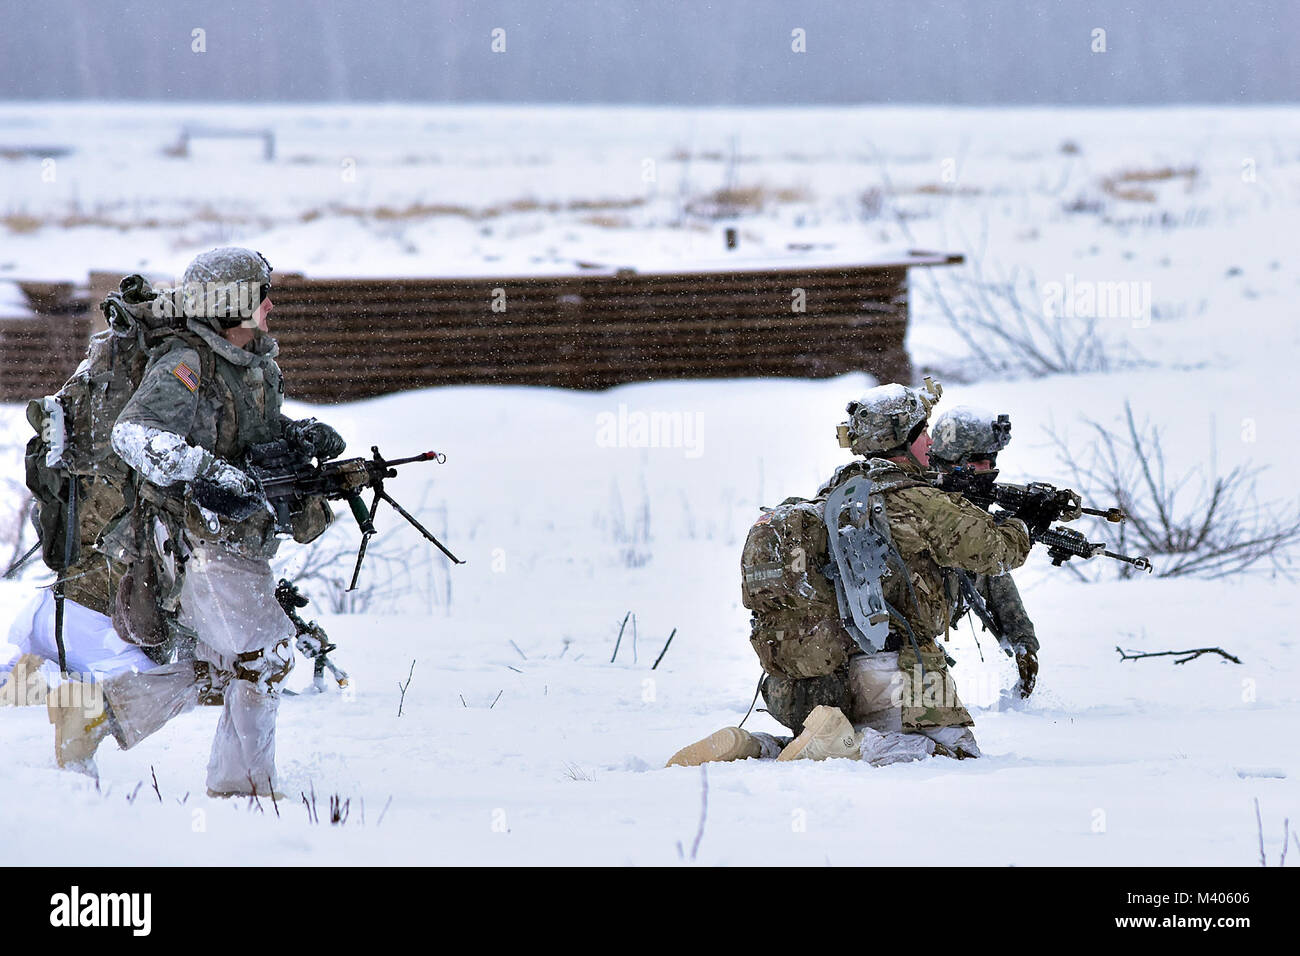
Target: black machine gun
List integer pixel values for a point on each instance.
(312, 641)
(1039, 504)
(288, 478)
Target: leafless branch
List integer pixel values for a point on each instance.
(1202, 523)
(402, 687)
(1191, 655)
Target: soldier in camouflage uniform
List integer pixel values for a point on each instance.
(200, 535)
(967, 437)
(898, 703)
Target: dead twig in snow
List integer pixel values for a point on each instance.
(620, 636)
(402, 687)
(665, 650)
(1259, 821)
(1191, 654)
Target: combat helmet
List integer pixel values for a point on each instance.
(223, 287)
(885, 421)
(965, 433)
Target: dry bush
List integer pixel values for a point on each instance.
(324, 568)
(21, 223)
(1194, 524)
(1009, 332)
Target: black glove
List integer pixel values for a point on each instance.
(233, 502)
(317, 439)
(1039, 513)
(1027, 664)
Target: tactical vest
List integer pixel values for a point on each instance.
(238, 406)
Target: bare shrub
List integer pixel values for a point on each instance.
(324, 568)
(1201, 524)
(1009, 331)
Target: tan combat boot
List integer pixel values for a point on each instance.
(826, 733)
(25, 686)
(729, 743)
(76, 735)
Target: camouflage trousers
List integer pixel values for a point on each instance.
(898, 690)
(902, 704)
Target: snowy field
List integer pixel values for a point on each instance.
(519, 741)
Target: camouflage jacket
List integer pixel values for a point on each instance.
(933, 530)
(222, 401)
(1002, 600)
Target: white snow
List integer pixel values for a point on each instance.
(519, 741)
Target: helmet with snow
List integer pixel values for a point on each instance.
(224, 287)
(965, 433)
(886, 420)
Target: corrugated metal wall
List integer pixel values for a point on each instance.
(347, 339)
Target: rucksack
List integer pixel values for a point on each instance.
(816, 602)
(796, 629)
(74, 429)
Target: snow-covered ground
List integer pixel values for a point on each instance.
(519, 741)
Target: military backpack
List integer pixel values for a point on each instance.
(79, 484)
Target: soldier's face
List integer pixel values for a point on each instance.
(262, 312)
(980, 464)
(921, 447)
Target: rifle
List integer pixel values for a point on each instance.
(287, 478)
(312, 641)
(1040, 503)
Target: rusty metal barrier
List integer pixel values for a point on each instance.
(347, 339)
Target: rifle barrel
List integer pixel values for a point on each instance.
(423, 456)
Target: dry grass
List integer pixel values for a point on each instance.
(607, 221)
(946, 189)
(1127, 184)
(21, 223)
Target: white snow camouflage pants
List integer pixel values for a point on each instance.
(229, 601)
(92, 646)
(875, 709)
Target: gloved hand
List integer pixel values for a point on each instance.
(222, 488)
(1027, 664)
(1072, 510)
(318, 439)
(227, 477)
(1039, 514)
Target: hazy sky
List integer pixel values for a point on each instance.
(671, 51)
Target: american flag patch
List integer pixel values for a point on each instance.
(187, 375)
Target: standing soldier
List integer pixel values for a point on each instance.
(895, 701)
(199, 536)
(967, 437)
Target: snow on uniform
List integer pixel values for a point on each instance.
(176, 427)
(92, 645)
